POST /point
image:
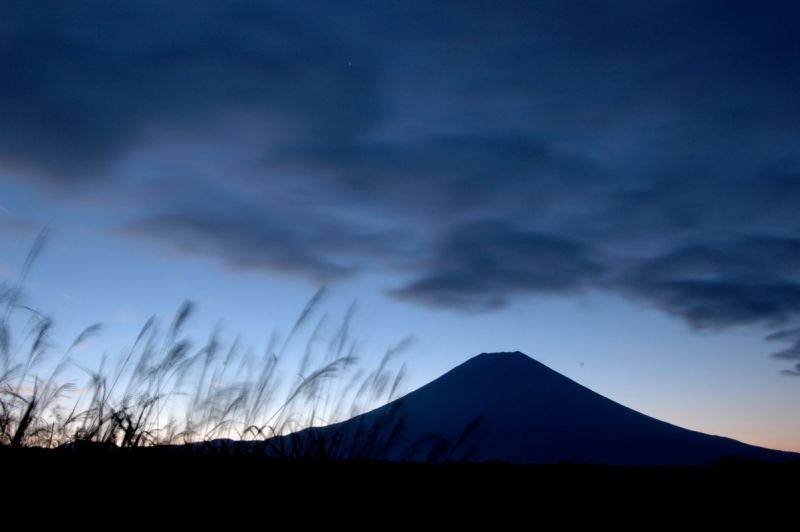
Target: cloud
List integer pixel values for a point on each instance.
(263, 236)
(15, 225)
(481, 265)
(445, 174)
(792, 372)
(791, 352)
(92, 81)
(480, 156)
(745, 281)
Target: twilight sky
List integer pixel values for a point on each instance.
(610, 187)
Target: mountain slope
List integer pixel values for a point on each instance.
(508, 407)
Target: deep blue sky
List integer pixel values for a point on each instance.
(611, 187)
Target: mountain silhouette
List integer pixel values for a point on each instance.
(507, 407)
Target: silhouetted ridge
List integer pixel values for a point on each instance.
(509, 407)
(503, 363)
(515, 359)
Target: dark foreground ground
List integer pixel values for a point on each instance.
(188, 484)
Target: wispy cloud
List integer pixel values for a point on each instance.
(16, 225)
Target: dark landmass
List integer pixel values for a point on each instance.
(101, 472)
(507, 407)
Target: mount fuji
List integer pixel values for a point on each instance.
(507, 407)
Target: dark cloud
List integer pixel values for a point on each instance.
(260, 236)
(480, 154)
(745, 281)
(86, 83)
(479, 266)
(722, 302)
(792, 372)
(791, 352)
(447, 174)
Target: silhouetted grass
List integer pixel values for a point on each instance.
(168, 389)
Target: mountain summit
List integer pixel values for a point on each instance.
(508, 407)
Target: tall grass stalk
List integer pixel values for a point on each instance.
(168, 388)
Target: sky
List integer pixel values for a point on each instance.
(610, 187)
